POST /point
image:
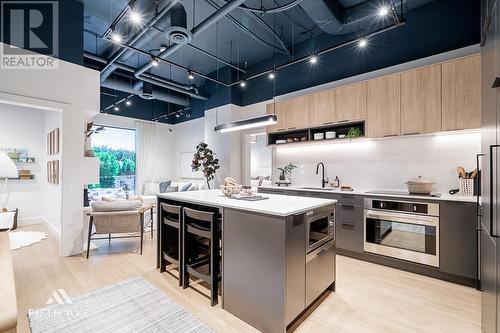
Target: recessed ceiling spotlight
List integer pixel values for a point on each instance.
(383, 11)
(190, 75)
(162, 49)
(362, 42)
(129, 103)
(313, 59)
(243, 84)
(272, 75)
(116, 108)
(177, 115)
(155, 62)
(116, 38)
(135, 17)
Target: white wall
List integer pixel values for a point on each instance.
(187, 135)
(20, 128)
(73, 91)
(385, 163)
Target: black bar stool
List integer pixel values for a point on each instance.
(203, 226)
(171, 237)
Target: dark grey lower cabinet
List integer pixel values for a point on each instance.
(458, 242)
(488, 283)
(349, 227)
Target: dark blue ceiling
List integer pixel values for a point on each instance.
(431, 27)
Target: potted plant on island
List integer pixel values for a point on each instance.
(286, 170)
(204, 160)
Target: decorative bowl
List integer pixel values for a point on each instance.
(229, 191)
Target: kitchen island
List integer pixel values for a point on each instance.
(278, 254)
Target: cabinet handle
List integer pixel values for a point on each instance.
(492, 233)
(348, 224)
(343, 121)
(280, 129)
(389, 135)
(412, 133)
(344, 205)
(322, 253)
(479, 181)
(329, 123)
(292, 128)
(496, 83)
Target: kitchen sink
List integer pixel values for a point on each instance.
(319, 188)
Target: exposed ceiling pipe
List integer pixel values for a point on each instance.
(211, 20)
(109, 68)
(236, 23)
(189, 90)
(333, 19)
(327, 50)
(158, 93)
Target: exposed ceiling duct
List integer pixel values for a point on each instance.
(333, 19)
(141, 39)
(177, 31)
(137, 88)
(211, 20)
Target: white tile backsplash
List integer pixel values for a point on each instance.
(386, 163)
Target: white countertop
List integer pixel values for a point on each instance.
(278, 205)
(443, 197)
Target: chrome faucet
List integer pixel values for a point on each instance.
(323, 180)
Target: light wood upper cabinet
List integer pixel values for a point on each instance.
(297, 112)
(322, 108)
(279, 109)
(461, 102)
(383, 106)
(350, 102)
(421, 100)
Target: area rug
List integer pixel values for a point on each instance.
(20, 239)
(130, 306)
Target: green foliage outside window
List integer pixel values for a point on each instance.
(114, 163)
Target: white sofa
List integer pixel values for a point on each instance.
(151, 189)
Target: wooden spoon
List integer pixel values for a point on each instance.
(474, 174)
(461, 172)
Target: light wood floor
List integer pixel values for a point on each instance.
(369, 297)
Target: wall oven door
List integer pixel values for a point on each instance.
(320, 229)
(409, 237)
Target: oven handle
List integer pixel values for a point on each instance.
(396, 217)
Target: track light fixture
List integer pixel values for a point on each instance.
(362, 42)
(135, 17)
(272, 75)
(116, 108)
(383, 11)
(313, 59)
(190, 75)
(243, 84)
(155, 62)
(128, 103)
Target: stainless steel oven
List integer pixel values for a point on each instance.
(320, 227)
(402, 229)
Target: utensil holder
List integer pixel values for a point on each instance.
(466, 187)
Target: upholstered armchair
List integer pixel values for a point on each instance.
(116, 217)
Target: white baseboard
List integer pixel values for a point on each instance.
(38, 220)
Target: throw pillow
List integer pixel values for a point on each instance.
(193, 187)
(172, 189)
(255, 182)
(185, 187)
(151, 188)
(266, 183)
(164, 186)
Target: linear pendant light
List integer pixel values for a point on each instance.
(247, 123)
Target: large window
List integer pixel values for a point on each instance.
(115, 148)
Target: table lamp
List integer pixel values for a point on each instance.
(7, 170)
